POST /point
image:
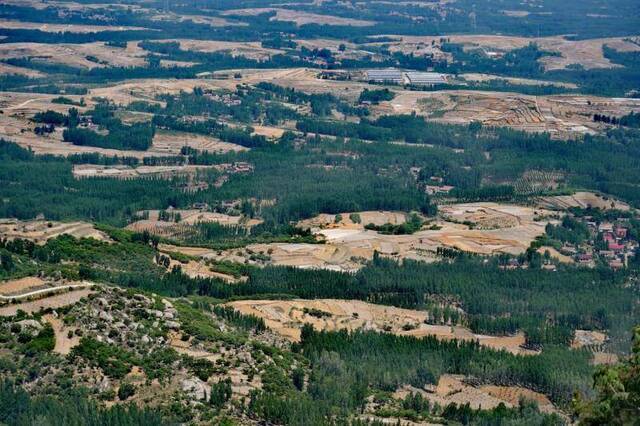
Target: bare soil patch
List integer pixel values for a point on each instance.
(515, 80)
(213, 21)
(64, 343)
(582, 200)
(127, 172)
(588, 338)
(555, 254)
(168, 142)
(6, 69)
(76, 55)
(587, 53)
(53, 302)
(21, 285)
(453, 389)
(286, 317)
(299, 17)
(251, 49)
(508, 229)
(40, 231)
(62, 28)
(560, 115)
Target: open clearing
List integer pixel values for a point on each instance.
(126, 172)
(559, 115)
(514, 80)
(249, 49)
(39, 231)
(62, 28)
(507, 229)
(76, 55)
(168, 142)
(453, 389)
(64, 343)
(6, 69)
(188, 218)
(286, 317)
(587, 53)
(299, 17)
(22, 285)
(212, 21)
(582, 200)
(52, 302)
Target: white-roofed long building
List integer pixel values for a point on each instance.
(425, 78)
(385, 76)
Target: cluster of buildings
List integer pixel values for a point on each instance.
(413, 78)
(613, 246)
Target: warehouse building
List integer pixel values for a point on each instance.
(425, 78)
(385, 76)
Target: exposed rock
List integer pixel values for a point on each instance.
(105, 316)
(172, 325)
(196, 388)
(30, 325)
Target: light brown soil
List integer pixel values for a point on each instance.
(587, 53)
(12, 287)
(75, 55)
(452, 389)
(64, 343)
(167, 142)
(348, 245)
(378, 218)
(489, 215)
(65, 28)
(40, 231)
(584, 338)
(213, 21)
(562, 116)
(189, 251)
(582, 200)
(286, 317)
(53, 302)
(555, 254)
(268, 131)
(6, 69)
(251, 50)
(126, 172)
(514, 80)
(604, 358)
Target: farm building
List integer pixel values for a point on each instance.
(425, 78)
(385, 76)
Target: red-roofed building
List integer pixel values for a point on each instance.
(608, 236)
(621, 232)
(615, 246)
(616, 264)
